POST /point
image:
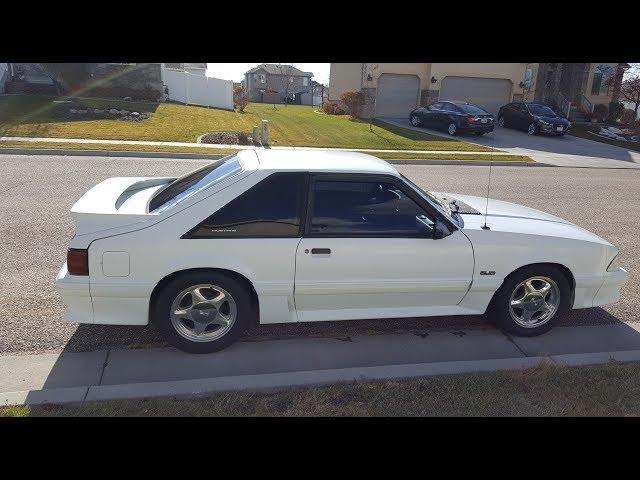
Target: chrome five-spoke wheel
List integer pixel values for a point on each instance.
(534, 302)
(203, 312)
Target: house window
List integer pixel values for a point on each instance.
(305, 81)
(290, 79)
(263, 78)
(596, 85)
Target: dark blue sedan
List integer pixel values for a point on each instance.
(453, 117)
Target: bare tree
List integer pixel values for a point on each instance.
(630, 90)
(286, 81)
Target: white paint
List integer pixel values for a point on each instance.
(361, 278)
(197, 89)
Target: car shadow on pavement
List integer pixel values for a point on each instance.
(85, 356)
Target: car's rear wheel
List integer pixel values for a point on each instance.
(501, 121)
(532, 129)
(415, 120)
(452, 128)
(202, 312)
(528, 302)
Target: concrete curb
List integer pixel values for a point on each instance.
(108, 153)
(299, 379)
(211, 156)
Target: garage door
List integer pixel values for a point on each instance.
(488, 93)
(397, 95)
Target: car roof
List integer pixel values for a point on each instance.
(306, 160)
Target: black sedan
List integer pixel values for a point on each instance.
(454, 117)
(532, 117)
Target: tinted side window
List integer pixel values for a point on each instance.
(450, 107)
(269, 209)
(436, 106)
(365, 208)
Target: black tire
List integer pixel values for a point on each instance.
(418, 119)
(498, 310)
(246, 312)
(532, 131)
(504, 122)
(452, 129)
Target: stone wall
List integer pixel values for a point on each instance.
(427, 97)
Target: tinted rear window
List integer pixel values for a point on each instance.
(472, 109)
(193, 182)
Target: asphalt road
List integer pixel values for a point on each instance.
(36, 193)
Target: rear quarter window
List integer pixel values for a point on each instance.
(193, 182)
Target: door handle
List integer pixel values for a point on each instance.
(320, 251)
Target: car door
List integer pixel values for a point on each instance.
(429, 115)
(367, 253)
(523, 118)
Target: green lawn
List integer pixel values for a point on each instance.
(292, 125)
(582, 130)
(547, 390)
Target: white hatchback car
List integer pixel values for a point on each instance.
(302, 236)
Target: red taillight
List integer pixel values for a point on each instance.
(78, 261)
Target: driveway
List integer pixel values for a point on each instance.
(567, 151)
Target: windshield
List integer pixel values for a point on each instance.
(472, 109)
(442, 207)
(191, 183)
(541, 110)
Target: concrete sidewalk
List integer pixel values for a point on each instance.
(206, 146)
(131, 373)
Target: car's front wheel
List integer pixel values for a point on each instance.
(202, 312)
(415, 120)
(532, 129)
(501, 121)
(530, 299)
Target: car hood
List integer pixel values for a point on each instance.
(513, 218)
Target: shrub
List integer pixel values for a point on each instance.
(240, 98)
(616, 109)
(332, 108)
(353, 101)
(600, 112)
(628, 116)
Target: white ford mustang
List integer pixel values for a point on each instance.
(301, 236)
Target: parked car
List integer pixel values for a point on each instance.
(283, 236)
(532, 117)
(453, 117)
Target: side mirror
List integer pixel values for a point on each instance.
(440, 230)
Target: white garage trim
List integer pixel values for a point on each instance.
(488, 93)
(397, 94)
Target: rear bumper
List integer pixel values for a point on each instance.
(74, 290)
(106, 304)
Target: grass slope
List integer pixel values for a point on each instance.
(292, 125)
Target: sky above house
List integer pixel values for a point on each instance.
(236, 71)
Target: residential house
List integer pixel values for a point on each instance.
(138, 80)
(275, 83)
(393, 89)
